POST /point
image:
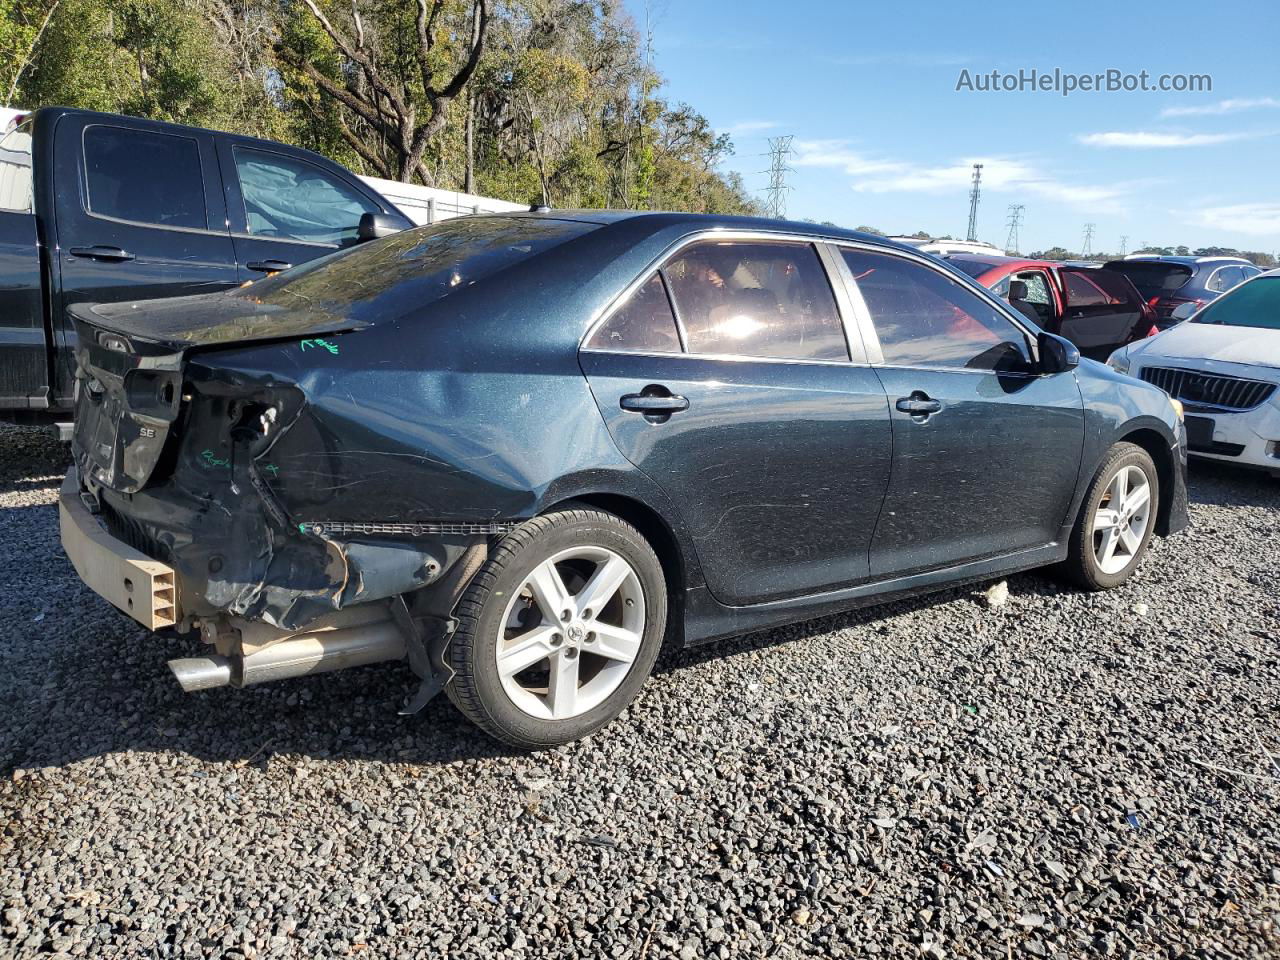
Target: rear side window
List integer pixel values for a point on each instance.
(756, 299)
(291, 199)
(926, 319)
(15, 170)
(1226, 278)
(144, 176)
(644, 324)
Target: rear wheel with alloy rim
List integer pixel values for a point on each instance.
(559, 630)
(1116, 520)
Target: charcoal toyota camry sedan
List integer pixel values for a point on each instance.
(520, 451)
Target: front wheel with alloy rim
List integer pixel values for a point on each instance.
(1116, 521)
(559, 629)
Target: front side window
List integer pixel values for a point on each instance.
(15, 170)
(294, 200)
(644, 324)
(757, 299)
(145, 177)
(926, 319)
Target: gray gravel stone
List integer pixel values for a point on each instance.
(922, 779)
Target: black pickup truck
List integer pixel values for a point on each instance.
(97, 207)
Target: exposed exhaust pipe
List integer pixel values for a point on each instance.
(296, 656)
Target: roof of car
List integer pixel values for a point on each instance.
(995, 260)
(709, 221)
(1188, 260)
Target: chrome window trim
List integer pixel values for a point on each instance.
(305, 243)
(720, 234)
(731, 357)
(924, 260)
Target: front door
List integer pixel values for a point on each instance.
(147, 220)
(285, 210)
(985, 450)
(749, 413)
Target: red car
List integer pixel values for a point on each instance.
(1096, 309)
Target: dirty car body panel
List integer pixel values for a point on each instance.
(343, 433)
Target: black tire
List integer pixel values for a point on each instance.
(476, 688)
(1081, 565)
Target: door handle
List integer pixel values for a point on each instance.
(920, 405)
(269, 266)
(653, 403)
(101, 252)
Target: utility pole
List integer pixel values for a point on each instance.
(974, 194)
(779, 151)
(1015, 220)
(1087, 251)
(1124, 243)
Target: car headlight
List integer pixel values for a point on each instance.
(1119, 361)
(1177, 406)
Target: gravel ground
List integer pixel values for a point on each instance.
(1058, 776)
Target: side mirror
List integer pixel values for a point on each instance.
(1184, 311)
(375, 225)
(1057, 354)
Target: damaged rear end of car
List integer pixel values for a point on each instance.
(245, 471)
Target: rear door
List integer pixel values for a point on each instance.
(751, 413)
(24, 373)
(986, 451)
(286, 209)
(139, 215)
(1100, 311)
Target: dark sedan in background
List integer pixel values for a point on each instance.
(1096, 309)
(521, 450)
(1169, 282)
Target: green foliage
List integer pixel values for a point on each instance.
(563, 102)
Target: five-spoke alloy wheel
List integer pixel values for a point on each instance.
(1116, 521)
(560, 628)
(571, 633)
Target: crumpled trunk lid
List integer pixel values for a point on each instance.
(130, 359)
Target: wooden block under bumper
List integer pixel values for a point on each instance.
(143, 588)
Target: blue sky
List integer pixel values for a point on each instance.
(882, 137)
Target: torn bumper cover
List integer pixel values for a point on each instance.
(236, 558)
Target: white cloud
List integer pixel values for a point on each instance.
(1000, 174)
(1255, 219)
(747, 127)
(1145, 140)
(1221, 107)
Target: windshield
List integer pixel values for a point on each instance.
(1153, 278)
(416, 267)
(970, 267)
(1252, 304)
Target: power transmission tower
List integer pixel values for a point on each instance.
(1015, 221)
(1087, 250)
(779, 151)
(974, 194)
(1124, 243)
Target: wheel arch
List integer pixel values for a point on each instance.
(678, 569)
(1156, 444)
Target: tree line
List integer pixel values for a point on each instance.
(552, 101)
